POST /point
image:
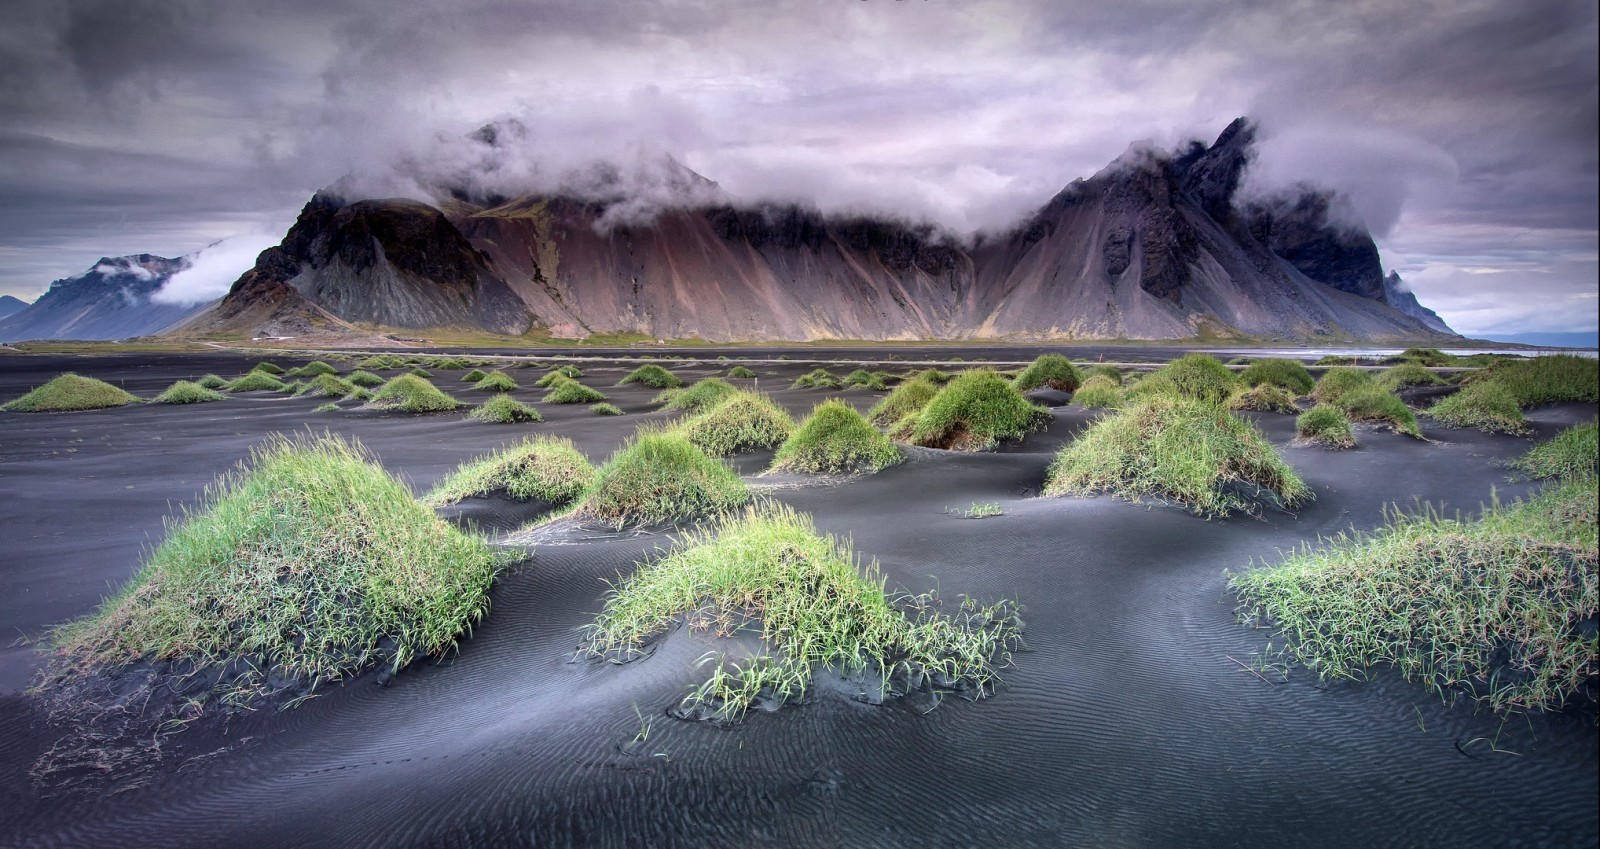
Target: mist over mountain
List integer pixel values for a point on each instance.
(114, 299)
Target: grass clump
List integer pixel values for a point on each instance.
(835, 439)
(185, 392)
(817, 378)
(1099, 391)
(71, 391)
(701, 396)
(1546, 380)
(476, 375)
(1406, 374)
(1282, 373)
(408, 393)
(1426, 357)
(419, 371)
(1376, 406)
(379, 362)
(1108, 372)
(213, 381)
(293, 387)
(326, 386)
(1493, 609)
(905, 401)
(496, 381)
(877, 381)
(547, 468)
(569, 391)
(365, 379)
(653, 376)
(1264, 398)
(1180, 450)
(308, 562)
(603, 409)
(741, 372)
(817, 607)
(257, 381)
(1486, 405)
(1574, 452)
(360, 394)
(658, 477)
(1196, 377)
(447, 363)
(743, 421)
(568, 370)
(315, 368)
(1325, 425)
(504, 409)
(1339, 382)
(330, 407)
(268, 368)
(1051, 370)
(974, 412)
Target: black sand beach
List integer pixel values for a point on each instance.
(1129, 721)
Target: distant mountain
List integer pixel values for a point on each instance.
(1156, 246)
(11, 305)
(109, 301)
(1588, 339)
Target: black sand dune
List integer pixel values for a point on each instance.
(1126, 723)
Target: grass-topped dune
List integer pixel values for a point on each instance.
(408, 393)
(186, 392)
(905, 401)
(1493, 399)
(1325, 425)
(702, 395)
(69, 392)
(1099, 391)
(1289, 375)
(565, 390)
(743, 421)
(1574, 452)
(504, 409)
(835, 439)
(257, 381)
(1358, 394)
(1052, 371)
(315, 368)
(308, 563)
(814, 606)
(817, 378)
(653, 376)
(974, 412)
(1188, 452)
(658, 477)
(1492, 609)
(1196, 377)
(496, 381)
(547, 468)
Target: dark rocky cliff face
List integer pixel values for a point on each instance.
(1299, 230)
(112, 300)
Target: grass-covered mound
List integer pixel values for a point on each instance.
(1282, 373)
(1406, 374)
(653, 376)
(365, 379)
(186, 392)
(1180, 450)
(548, 468)
(1264, 398)
(835, 439)
(1376, 406)
(905, 401)
(877, 381)
(743, 421)
(1110, 373)
(741, 372)
(658, 477)
(1493, 609)
(310, 562)
(1099, 391)
(315, 368)
(268, 368)
(603, 409)
(379, 362)
(447, 363)
(1325, 425)
(213, 381)
(1574, 452)
(478, 374)
(326, 386)
(504, 409)
(974, 412)
(817, 606)
(701, 396)
(411, 394)
(71, 391)
(419, 371)
(817, 378)
(496, 381)
(1196, 377)
(1051, 370)
(1486, 405)
(1336, 383)
(1547, 380)
(257, 381)
(568, 391)
(568, 371)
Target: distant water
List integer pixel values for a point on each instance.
(1317, 353)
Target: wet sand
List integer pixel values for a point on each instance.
(1126, 723)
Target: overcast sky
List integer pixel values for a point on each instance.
(1462, 131)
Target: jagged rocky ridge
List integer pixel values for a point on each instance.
(1157, 246)
(112, 300)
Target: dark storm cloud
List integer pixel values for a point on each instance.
(1448, 126)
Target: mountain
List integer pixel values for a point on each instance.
(1581, 339)
(1158, 245)
(112, 300)
(11, 305)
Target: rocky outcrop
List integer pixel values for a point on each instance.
(112, 300)
(1396, 295)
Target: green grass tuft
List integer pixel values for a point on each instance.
(1325, 425)
(1264, 398)
(743, 421)
(1051, 370)
(702, 396)
(658, 477)
(411, 394)
(604, 409)
(315, 368)
(212, 381)
(1284, 374)
(653, 376)
(504, 409)
(1486, 405)
(420, 372)
(1574, 452)
(476, 375)
(548, 468)
(379, 362)
(185, 392)
(1099, 391)
(568, 391)
(309, 562)
(1108, 372)
(817, 378)
(496, 381)
(817, 606)
(1181, 450)
(974, 412)
(365, 379)
(907, 399)
(877, 381)
(326, 386)
(268, 368)
(1407, 374)
(1196, 377)
(1339, 382)
(1491, 609)
(1545, 380)
(257, 381)
(741, 372)
(835, 439)
(1376, 406)
(567, 370)
(71, 391)
(329, 407)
